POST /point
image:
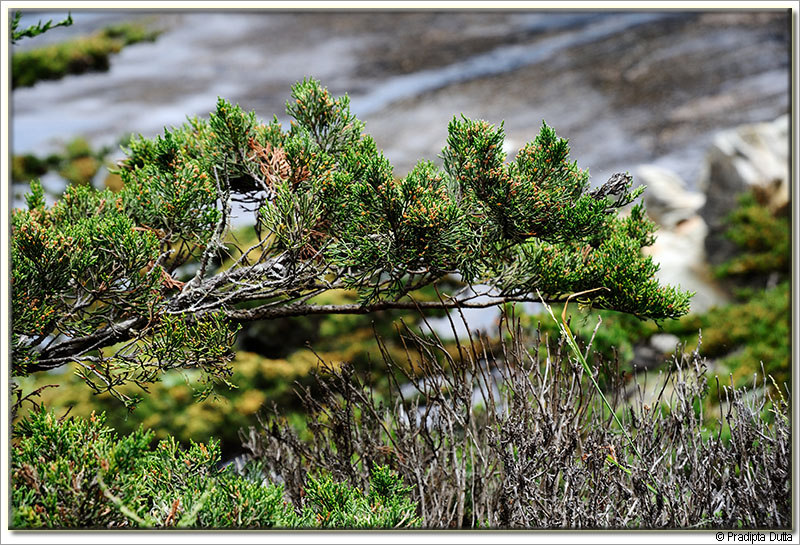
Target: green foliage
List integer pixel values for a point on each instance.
(763, 237)
(740, 336)
(332, 504)
(34, 30)
(89, 231)
(76, 473)
(625, 279)
(523, 227)
(743, 336)
(77, 56)
(55, 467)
(271, 359)
(178, 404)
(326, 119)
(330, 216)
(78, 163)
(755, 330)
(540, 194)
(172, 192)
(403, 226)
(52, 249)
(28, 166)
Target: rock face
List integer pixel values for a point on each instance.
(691, 237)
(749, 158)
(679, 248)
(652, 353)
(681, 256)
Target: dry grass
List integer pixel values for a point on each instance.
(514, 435)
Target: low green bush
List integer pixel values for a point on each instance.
(77, 163)
(741, 337)
(76, 473)
(763, 238)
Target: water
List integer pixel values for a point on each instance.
(501, 60)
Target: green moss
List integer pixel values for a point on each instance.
(78, 56)
(171, 406)
(77, 163)
(28, 166)
(742, 336)
(764, 239)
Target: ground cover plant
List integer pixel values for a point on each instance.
(76, 473)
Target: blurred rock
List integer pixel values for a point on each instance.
(680, 242)
(664, 343)
(681, 256)
(691, 239)
(650, 355)
(667, 199)
(750, 157)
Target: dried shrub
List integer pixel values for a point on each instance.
(514, 435)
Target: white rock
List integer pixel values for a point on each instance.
(510, 147)
(746, 157)
(667, 199)
(681, 256)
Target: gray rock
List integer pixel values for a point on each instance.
(645, 358)
(750, 155)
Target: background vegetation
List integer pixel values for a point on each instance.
(78, 56)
